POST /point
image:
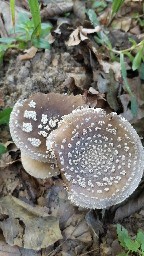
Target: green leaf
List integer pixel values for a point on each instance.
(134, 105)
(5, 115)
(141, 71)
(41, 43)
(45, 29)
(12, 8)
(116, 6)
(3, 149)
(93, 17)
(130, 56)
(7, 40)
(123, 254)
(140, 239)
(122, 235)
(35, 12)
(137, 59)
(23, 18)
(131, 245)
(125, 239)
(98, 4)
(105, 39)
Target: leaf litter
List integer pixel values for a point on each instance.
(42, 219)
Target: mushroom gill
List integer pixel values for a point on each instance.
(100, 156)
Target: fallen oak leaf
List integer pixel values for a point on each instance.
(30, 53)
(31, 227)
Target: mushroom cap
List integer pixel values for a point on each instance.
(39, 169)
(33, 119)
(100, 156)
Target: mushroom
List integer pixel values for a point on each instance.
(31, 122)
(100, 157)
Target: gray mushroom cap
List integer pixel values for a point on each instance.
(33, 119)
(100, 156)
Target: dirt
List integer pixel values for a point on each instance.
(48, 71)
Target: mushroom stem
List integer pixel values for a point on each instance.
(39, 169)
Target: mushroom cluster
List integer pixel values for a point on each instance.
(31, 122)
(99, 155)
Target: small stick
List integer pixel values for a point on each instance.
(3, 31)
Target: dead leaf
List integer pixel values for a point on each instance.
(30, 228)
(79, 10)
(50, 38)
(115, 66)
(74, 38)
(102, 82)
(134, 204)
(7, 250)
(55, 9)
(30, 53)
(123, 23)
(112, 92)
(81, 232)
(1, 98)
(5, 160)
(80, 34)
(3, 32)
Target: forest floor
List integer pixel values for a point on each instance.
(76, 63)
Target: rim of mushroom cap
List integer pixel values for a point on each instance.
(33, 119)
(100, 156)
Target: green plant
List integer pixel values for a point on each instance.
(26, 32)
(4, 119)
(116, 4)
(129, 244)
(135, 53)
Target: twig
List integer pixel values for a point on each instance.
(3, 31)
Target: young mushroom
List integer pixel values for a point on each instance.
(31, 122)
(100, 156)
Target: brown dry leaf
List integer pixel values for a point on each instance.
(79, 10)
(115, 66)
(5, 160)
(1, 98)
(7, 250)
(123, 23)
(55, 9)
(30, 53)
(80, 77)
(134, 204)
(112, 92)
(80, 34)
(30, 227)
(50, 38)
(80, 232)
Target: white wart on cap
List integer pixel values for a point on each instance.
(33, 119)
(100, 156)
